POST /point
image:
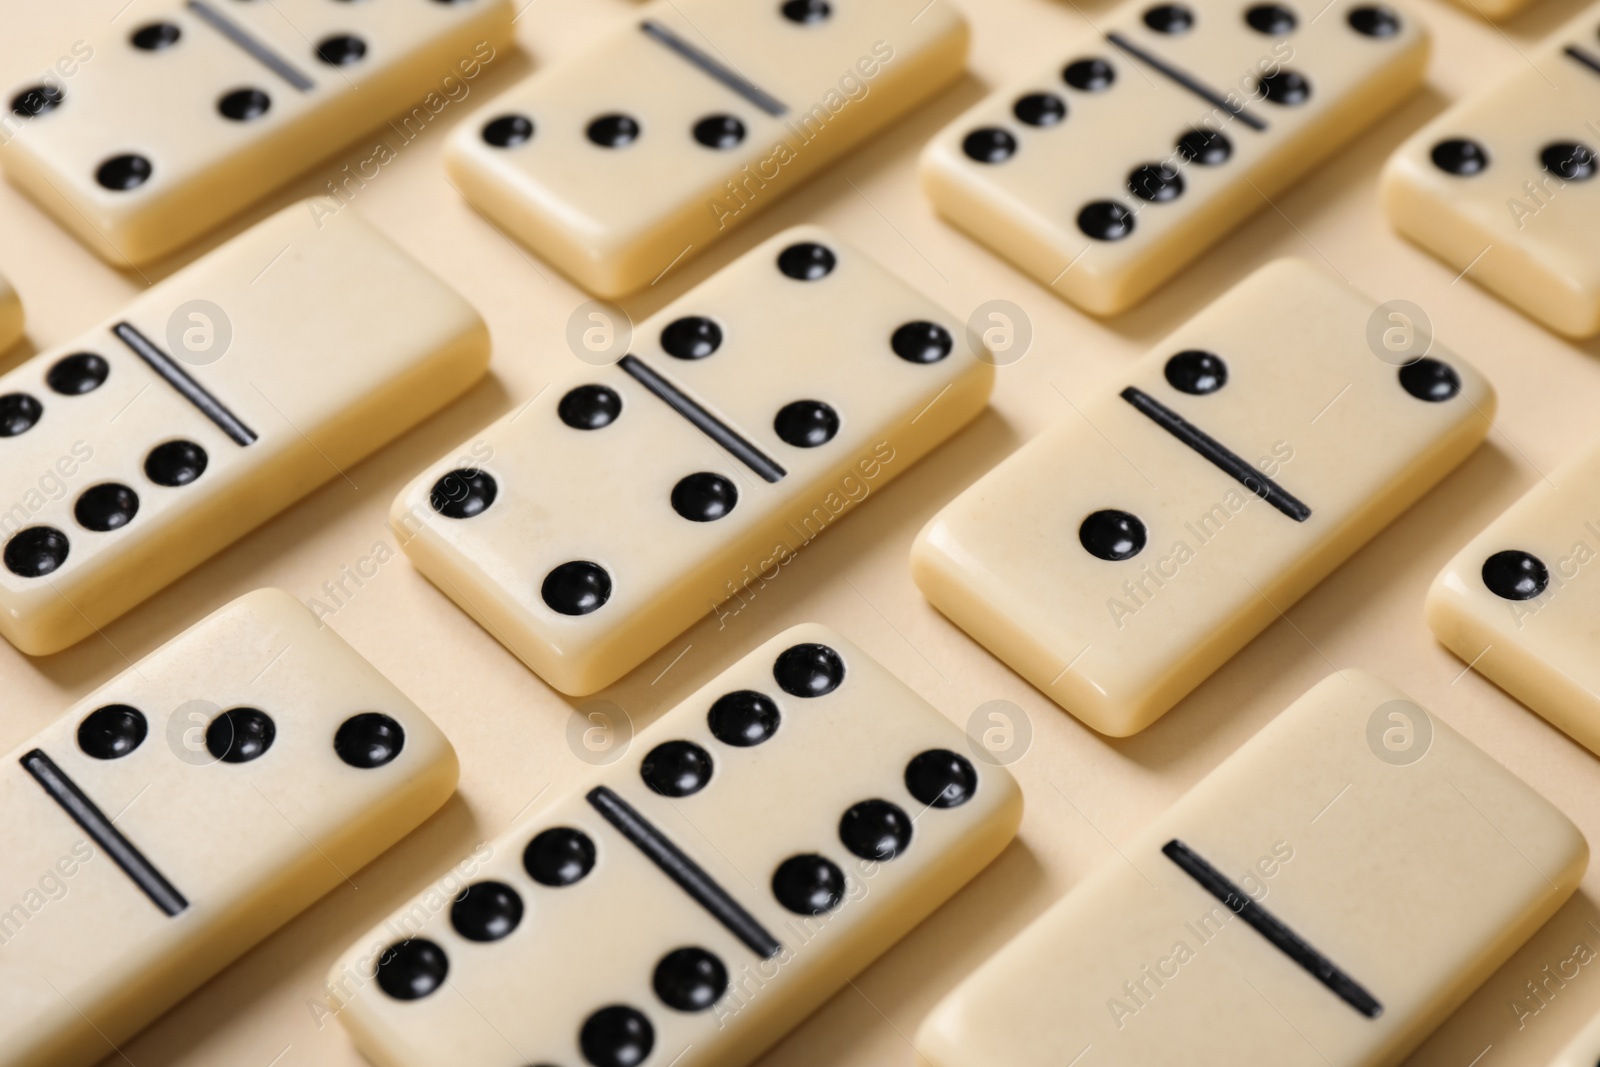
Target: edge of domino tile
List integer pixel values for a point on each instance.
(939, 1038)
(943, 574)
(275, 610)
(377, 1043)
(1493, 650)
(13, 321)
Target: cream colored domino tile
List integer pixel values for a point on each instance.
(1499, 187)
(1517, 602)
(756, 847)
(692, 118)
(185, 810)
(216, 399)
(598, 520)
(183, 114)
(1324, 898)
(11, 316)
(1118, 558)
(1163, 128)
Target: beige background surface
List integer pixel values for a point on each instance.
(1083, 791)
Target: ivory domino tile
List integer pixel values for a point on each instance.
(1324, 898)
(188, 808)
(691, 119)
(1499, 186)
(692, 901)
(173, 121)
(1121, 556)
(214, 400)
(604, 516)
(1163, 128)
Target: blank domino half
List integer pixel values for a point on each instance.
(614, 509)
(1324, 898)
(216, 399)
(183, 115)
(188, 808)
(756, 847)
(692, 118)
(1521, 604)
(1124, 554)
(11, 317)
(1106, 173)
(1500, 185)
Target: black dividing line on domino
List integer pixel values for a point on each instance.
(704, 421)
(65, 792)
(711, 66)
(685, 871)
(1586, 58)
(1219, 454)
(192, 391)
(259, 50)
(1187, 80)
(1272, 928)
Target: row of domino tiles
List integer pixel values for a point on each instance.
(1235, 101)
(739, 427)
(1325, 896)
(1194, 550)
